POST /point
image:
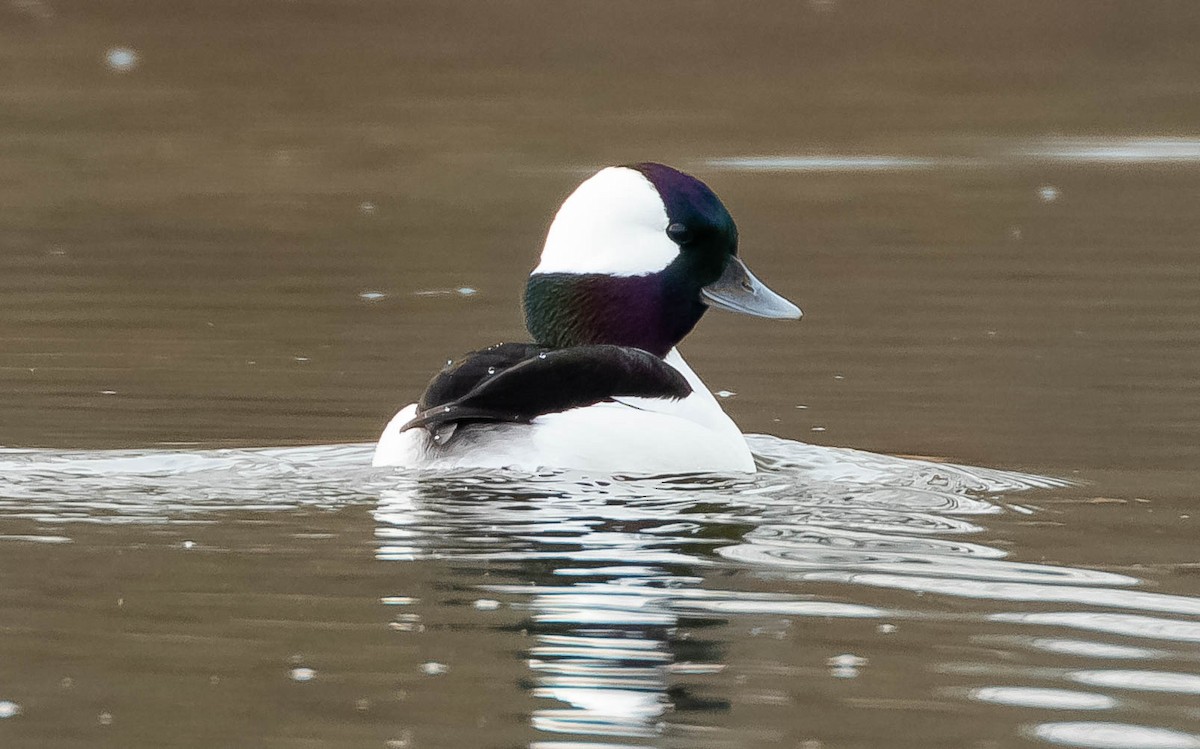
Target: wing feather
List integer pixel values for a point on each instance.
(517, 382)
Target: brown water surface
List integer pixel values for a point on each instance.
(241, 225)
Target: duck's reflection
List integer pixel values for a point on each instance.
(607, 652)
(600, 582)
(624, 595)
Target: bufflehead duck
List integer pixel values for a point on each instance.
(632, 260)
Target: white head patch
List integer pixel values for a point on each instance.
(614, 223)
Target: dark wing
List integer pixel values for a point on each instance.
(517, 382)
(460, 377)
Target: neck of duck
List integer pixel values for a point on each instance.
(651, 312)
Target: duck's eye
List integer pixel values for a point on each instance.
(679, 233)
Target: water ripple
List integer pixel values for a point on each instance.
(1152, 681)
(1114, 736)
(983, 154)
(1127, 625)
(1054, 699)
(615, 576)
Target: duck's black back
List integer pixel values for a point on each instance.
(517, 382)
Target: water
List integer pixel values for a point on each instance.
(694, 611)
(235, 238)
(179, 596)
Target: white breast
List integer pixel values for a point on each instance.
(634, 435)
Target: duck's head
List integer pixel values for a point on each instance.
(634, 258)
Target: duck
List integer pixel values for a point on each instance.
(632, 260)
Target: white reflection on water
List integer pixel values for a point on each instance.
(981, 153)
(1117, 150)
(1081, 648)
(1114, 736)
(1153, 681)
(1054, 699)
(1032, 591)
(621, 578)
(834, 163)
(1128, 625)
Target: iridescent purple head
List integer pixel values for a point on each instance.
(634, 257)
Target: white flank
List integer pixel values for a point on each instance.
(633, 435)
(614, 223)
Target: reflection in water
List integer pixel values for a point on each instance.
(1054, 699)
(1066, 646)
(1128, 625)
(631, 590)
(1114, 736)
(984, 154)
(1155, 681)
